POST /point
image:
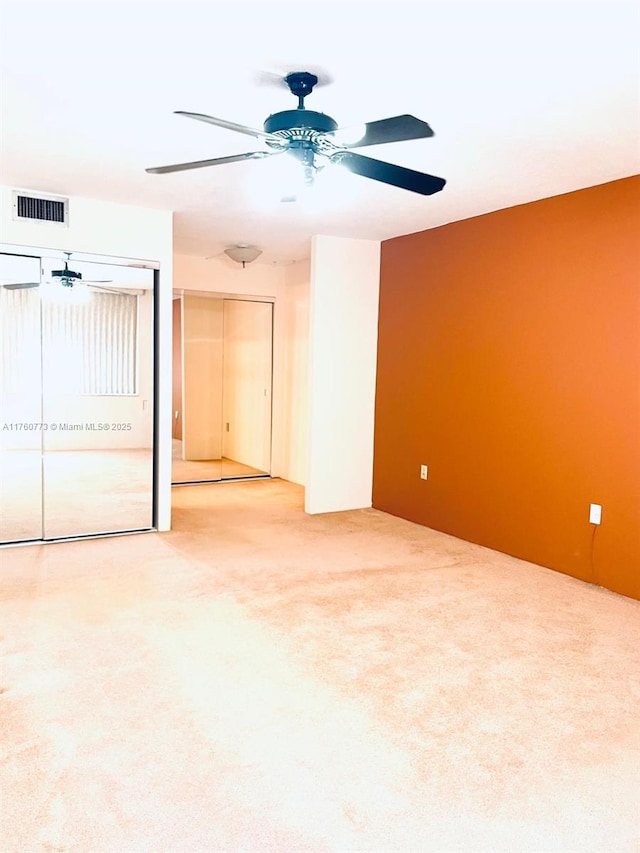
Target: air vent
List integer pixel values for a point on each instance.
(40, 208)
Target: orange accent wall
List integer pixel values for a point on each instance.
(509, 363)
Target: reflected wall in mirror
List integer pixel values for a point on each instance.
(223, 368)
(90, 363)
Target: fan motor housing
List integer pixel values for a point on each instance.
(307, 119)
(67, 275)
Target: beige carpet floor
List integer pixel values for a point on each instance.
(262, 680)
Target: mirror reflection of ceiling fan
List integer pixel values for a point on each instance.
(67, 278)
(315, 140)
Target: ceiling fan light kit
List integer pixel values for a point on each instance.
(315, 140)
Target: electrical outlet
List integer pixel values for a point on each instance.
(424, 472)
(595, 514)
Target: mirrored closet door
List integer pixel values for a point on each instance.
(20, 399)
(222, 388)
(77, 391)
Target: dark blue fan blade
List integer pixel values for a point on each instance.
(396, 129)
(389, 173)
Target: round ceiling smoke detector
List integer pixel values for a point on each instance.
(243, 254)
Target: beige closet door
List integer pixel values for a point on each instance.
(247, 381)
(197, 456)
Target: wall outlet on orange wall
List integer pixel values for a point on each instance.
(595, 514)
(424, 472)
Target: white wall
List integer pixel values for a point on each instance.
(345, 277)
(295, 397)
(223, 276)
(120, 231)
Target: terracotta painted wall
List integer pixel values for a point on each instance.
(509, 363)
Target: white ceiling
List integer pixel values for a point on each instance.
(527, 100)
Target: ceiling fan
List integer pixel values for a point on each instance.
(67, 278)
(315, 140)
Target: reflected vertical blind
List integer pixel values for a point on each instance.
(20, 362)
(109, 345)
(88, 348)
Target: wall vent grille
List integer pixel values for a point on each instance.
(52, 209)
